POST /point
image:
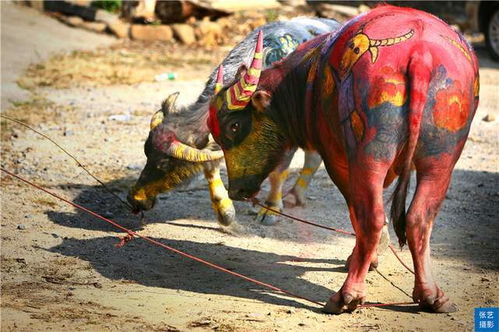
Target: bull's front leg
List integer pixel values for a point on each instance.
(274, 198)
(367, 215)
(221, 203)
(312, 163)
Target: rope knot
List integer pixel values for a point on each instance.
(124, 240)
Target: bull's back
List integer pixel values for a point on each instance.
(372, 59)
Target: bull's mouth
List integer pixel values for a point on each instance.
(243, 194)
(245, 188)
(140, 205)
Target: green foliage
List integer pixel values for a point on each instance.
(271, 15)
(112, 6)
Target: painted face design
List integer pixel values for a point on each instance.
(249, 138)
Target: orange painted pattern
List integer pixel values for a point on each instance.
(451, 108)
(388, 87)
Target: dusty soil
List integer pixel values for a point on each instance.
(61, 269)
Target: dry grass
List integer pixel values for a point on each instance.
(124, 63)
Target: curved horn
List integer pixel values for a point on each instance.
(184, 152)
(156, 119)
(239, 94)
(166, 106)
(220, 79)
(391, 41)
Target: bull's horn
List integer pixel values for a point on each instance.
(156, 119)
(184, 152)
(219, 84)
(166, 106)
(239, 94)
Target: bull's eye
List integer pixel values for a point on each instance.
(356, 50)
(234, 128)
(163, 163)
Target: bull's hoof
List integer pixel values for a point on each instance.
(226, 216)
(267, 217)
(294, 199)
(438, 303)
(342, 302)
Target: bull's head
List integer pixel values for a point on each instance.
(240, 123)
(169, 161)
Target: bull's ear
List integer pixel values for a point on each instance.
(240, 72)
(168, 105)
(261, 100)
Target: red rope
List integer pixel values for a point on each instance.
(131, 234)
(337, 230)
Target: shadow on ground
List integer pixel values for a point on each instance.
(466, 227)
(153, 266)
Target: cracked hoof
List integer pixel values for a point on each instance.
(339, 303)
(226, 217)
(294, 199)
(266, 217)
(438, 304)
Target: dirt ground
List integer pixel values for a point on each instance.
(60, 269)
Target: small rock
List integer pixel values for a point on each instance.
(22, 227)
(151, 32)
(120, 117)
(104, 16)
(489, 117)
(209, 33)
(137, 167)
(119, 28)
(74, 21)
(184, 33)
(108, 214)
(94, 26)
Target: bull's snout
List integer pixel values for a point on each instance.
(244, 188)
(241, 194)
(140, 204)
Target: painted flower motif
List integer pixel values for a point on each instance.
(389, 86)
(451, 108)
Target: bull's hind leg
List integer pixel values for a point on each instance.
(430, 192)
(367, 214)
(312, 162)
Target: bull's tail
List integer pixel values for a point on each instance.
(419, 71)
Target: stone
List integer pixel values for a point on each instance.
(119, 28)
(184, 33)
(94, 26)
(151, 32)
(489, 117)
(105, 16)
(209, 33)
(73, 21)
